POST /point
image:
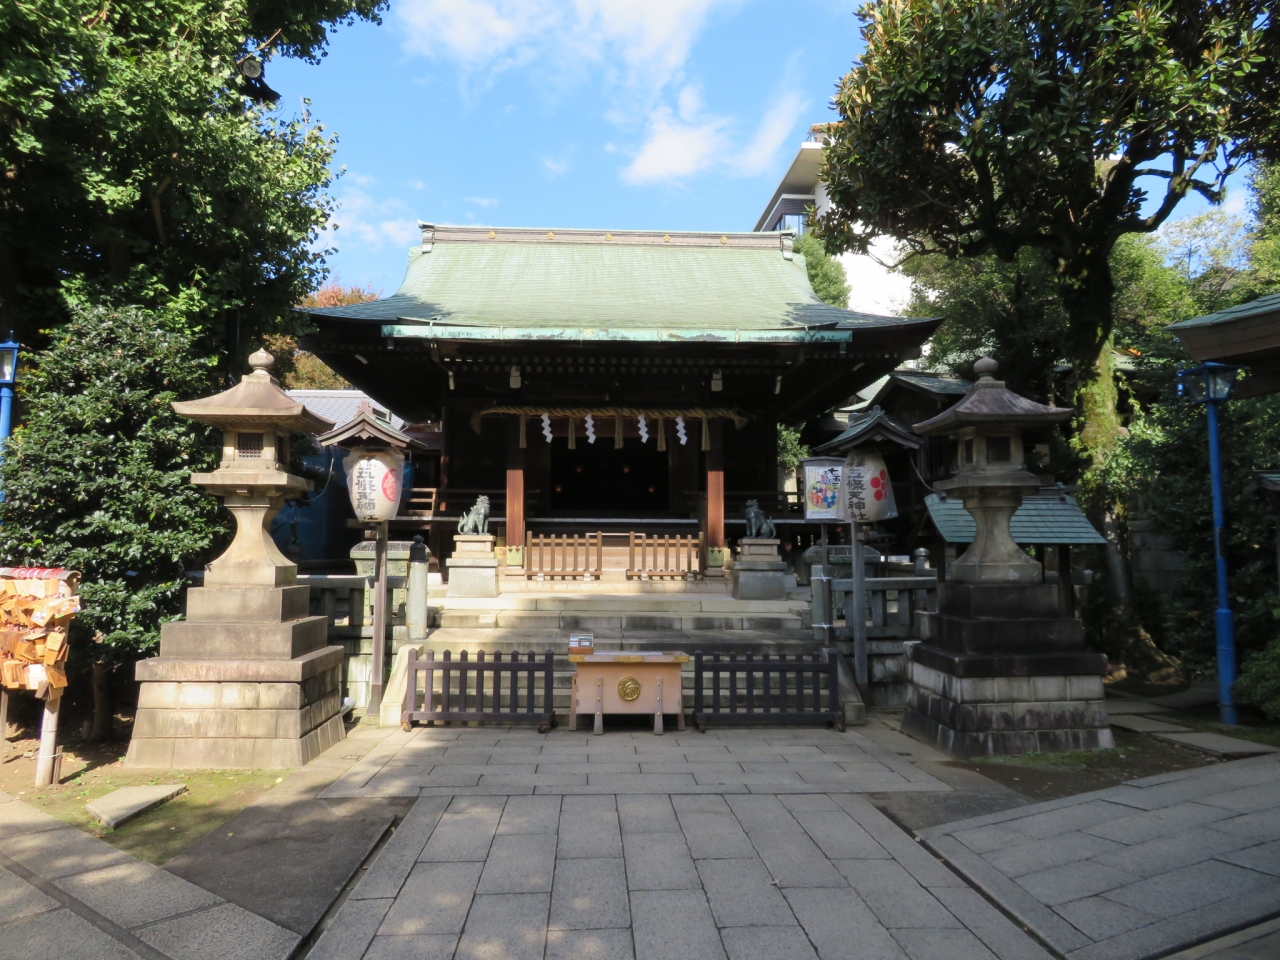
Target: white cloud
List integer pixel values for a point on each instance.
(554, 166)
(483, 201)
(651, 38)
(373, 223)
(774, 131)
(687, 141)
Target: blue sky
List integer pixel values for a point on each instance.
(643, 114)
(661, 114)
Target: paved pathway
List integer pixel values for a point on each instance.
(497, 761)
(652, 876)
(67, 895)
(1136, 870)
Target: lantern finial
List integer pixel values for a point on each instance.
(986, 368)
(261, 361)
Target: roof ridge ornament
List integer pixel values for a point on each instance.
(428, 235)
(787, 243)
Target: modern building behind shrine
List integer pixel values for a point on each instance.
(594, 380)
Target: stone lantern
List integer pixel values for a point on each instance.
(247, 679)
(1001, 670)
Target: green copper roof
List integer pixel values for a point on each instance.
(508, 283)
(1254, 308)
(1045, 518)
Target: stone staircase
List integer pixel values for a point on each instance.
(626, 612)
(709, 619)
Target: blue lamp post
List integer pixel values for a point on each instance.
(1211, 384)
(8, 375)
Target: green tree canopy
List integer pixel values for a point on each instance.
(826, 276)
(96, 477)
(141, 165)
(992, 127)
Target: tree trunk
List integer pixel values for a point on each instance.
(102, 705)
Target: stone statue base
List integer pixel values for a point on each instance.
(473, 569)
(247, 681)
(758, 571)
(1000, 673)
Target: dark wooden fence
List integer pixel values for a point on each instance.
(463, 689)
(797, 689)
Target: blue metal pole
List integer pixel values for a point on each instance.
(6, 412)
(1223, 621)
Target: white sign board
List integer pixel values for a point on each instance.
(821, 490)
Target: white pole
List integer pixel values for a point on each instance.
(48, 740)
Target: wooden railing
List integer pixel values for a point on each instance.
(563, 556)
(462, 692)
(420, 502)
(799, 689)
(650, 556)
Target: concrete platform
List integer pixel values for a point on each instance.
(1139, 724)
(1220, 745)
(121, 806)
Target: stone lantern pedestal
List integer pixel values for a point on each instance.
(1001, 670)
(248, 678)
(758, 571)
(473, 568)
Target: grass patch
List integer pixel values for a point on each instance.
(89, 772)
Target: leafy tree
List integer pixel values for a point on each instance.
(1058, 126)
(142, 166)
(96, 478)
(1264, 235)
(300, 369)
(826, 276)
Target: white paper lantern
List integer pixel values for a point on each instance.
(373, 482)
(865, 490)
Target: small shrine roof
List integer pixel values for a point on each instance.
(1050, 517)
(510, 283)
(869, 426)
(257, 401)
(989, 401)
(367, 425)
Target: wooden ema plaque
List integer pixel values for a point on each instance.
(36, 607)
(638, 682)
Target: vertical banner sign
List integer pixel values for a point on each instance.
(373, 482)
(866, 494)
(822, 489)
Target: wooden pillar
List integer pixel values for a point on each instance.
(515, 485)
(715, 486)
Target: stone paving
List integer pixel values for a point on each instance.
(67, 895)
(498, 761)
(652, 876)
(1136, 870)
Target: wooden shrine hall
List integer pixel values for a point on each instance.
(615, 382)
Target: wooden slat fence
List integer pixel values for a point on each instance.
(798, 689)
(564, 557)
(465, 695)
(652, 556)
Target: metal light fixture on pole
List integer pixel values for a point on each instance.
(8, 377)
(1211, 384)
(374, 469)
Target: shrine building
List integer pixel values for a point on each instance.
(622, 382)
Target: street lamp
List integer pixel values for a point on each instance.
(8, 376)
(1211, 384)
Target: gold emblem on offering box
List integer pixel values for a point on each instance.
(629, 688)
